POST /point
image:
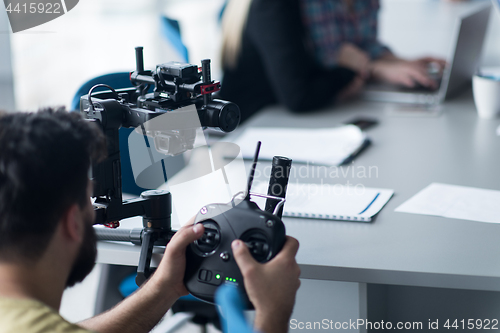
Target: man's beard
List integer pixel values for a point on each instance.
(85, 261)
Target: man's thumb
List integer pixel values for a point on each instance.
(242, 256)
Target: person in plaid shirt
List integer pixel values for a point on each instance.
(339, 30)
(305, 54)
(332, 24)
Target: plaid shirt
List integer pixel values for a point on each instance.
(330, 23)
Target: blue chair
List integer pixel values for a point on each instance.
(230, 305)
(221, 12)
(171, 30)
(116, 80)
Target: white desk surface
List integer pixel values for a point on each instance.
(396, 248)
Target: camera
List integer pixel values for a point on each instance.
(174, 86)
(180, 102)
(167, 104)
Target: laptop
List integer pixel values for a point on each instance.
(469, 37)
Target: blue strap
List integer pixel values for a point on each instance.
(230, 306)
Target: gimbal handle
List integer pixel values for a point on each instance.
(150, 238)
(147, 238)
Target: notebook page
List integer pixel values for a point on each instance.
(452, 201)
(326, 146)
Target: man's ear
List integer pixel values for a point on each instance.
(71, 223)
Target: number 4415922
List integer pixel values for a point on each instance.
(485, 324)
(34, 7)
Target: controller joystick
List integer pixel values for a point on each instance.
(257, 244)
(208, 243)
(209, 260)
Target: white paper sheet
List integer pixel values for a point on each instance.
(326, 146)
(458, 202)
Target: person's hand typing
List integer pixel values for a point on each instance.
(271, 287)
(405, 72)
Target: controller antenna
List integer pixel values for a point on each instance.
(278, 183)
(252, 170)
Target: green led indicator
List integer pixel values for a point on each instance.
(227, 279)
(217, 276)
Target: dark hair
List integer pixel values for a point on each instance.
(44, 163)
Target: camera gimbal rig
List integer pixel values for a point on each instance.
(175, 85)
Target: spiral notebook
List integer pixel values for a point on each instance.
(332, 202)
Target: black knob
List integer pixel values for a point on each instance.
(210, 239)
(278, 182)
(139, 60)
(258, 245)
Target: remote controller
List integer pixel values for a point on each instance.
(210, 261)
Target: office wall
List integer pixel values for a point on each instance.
(97, 37)
(6, 80)
(51, 61)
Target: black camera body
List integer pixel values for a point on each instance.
(181, 70)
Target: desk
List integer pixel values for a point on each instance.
(396, 248)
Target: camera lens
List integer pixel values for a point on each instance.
(222, 115)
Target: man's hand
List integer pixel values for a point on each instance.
(170, 272)
(405, 72)
(142, 310)
(272, 286)
(352, 57)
